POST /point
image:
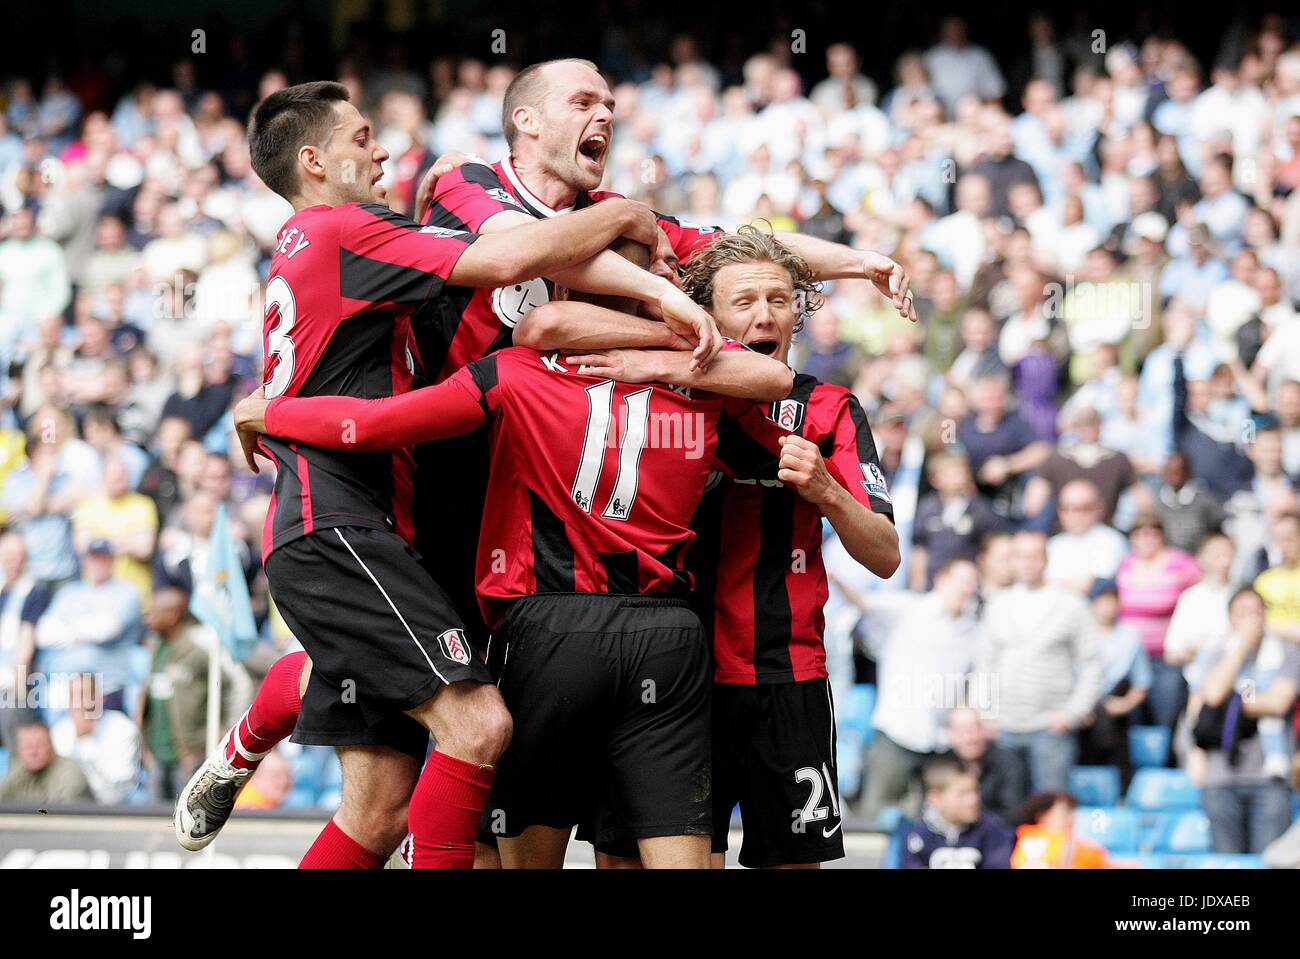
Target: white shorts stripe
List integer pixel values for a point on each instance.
(396, 613)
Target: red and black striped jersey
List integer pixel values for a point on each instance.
(593, 481)
(343, 284)
(760, 581)
(468, 324)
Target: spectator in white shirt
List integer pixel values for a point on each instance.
(1040, 641)
(1200, 620)
(916, 638)
(846, 87)
(1086, 549)
(103, 742)
(958, 238)
(959, 68)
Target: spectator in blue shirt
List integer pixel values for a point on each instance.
(90, 628)
(1192, 276)
(1126, 677)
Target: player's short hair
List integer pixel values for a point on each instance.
(938, 774)
(526, 89)
(749, 244)
(284, 122)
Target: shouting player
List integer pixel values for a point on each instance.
(558, 121)
(391, 659)
(760, 581)
(581, 574)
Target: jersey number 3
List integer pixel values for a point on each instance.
(636, 419)
(279, 345)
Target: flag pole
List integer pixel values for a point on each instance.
(214, 693)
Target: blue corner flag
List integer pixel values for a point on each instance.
(220, 598)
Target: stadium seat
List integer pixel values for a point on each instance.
(1163, 790)
(1095, 785)
(4, 761)
(1217, 860)
(302, 797)
(854, 729)
(856, 711)
(1147, 860)
(1148, 745)
(1115, 827)
(888, 819)
(1180, 832)
(894, 851)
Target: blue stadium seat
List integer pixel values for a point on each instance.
(331, 770)
(1219, 860)
(1095, 785)
(4, 761)
(888, 819)
(894, 851)
(1163, 790)
(1148, 745)
(1115, 827)
(854, 729)
(856, 710)
(302, 797)
(1185, 833)
(1147, 860)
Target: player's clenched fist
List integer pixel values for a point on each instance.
(803, 468)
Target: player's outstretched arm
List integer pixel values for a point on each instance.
(835, 261)
(541, 247)
(741, 373)
(352, 424)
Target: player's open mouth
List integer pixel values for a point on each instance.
(594, 147)
(766, 347)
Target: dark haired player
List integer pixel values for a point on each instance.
(391, 659)
(581, 574)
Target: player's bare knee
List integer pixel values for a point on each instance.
(468, 721)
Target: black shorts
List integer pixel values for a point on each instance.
(447, 509)
(382, 636)
(609, 695)
(774, 754)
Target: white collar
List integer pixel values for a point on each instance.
(508, 165)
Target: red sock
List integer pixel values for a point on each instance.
(445, 810)
(335, 849)
(272, 715)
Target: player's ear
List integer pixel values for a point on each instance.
(526, 120)
(310, 161)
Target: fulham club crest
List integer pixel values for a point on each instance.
(787, 414)
(455, 646)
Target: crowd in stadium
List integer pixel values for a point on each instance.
(1091, 435)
